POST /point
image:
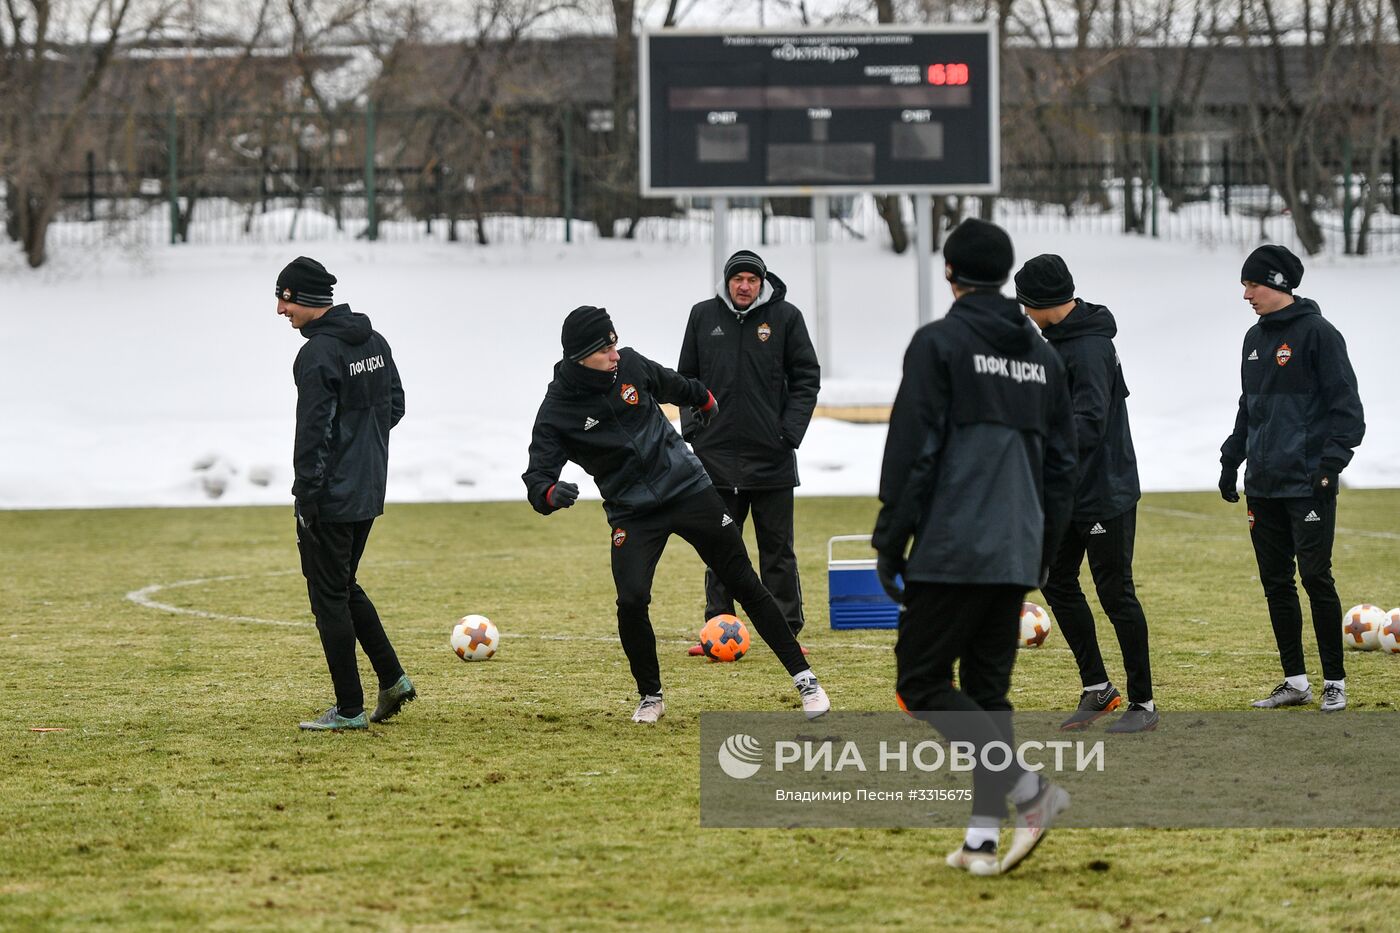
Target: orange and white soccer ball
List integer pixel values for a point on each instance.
(1035, 626)
(475, 638)
(1388, 641)
(725, 638)
(1361, 627)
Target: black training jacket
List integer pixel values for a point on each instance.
(615, 430)
(979, 461)
(762, 368)
(1108, 476)
(348, 397)
(1299, 409)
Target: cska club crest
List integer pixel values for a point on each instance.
(286, 294)
(1251, 520)
(764, 332)
(619, 537)
(629, 393)
(1283, 354)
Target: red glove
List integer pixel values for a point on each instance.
(705, 413)
(561, 495)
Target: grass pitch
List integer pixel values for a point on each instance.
(516, 794)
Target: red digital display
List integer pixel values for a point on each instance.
(948, 73)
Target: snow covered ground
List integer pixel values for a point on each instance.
(163, 377)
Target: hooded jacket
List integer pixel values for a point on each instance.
(612, 426)
(763, 370)
(1108, 476)
(979, 463)
(1300, 409)
(348, 398)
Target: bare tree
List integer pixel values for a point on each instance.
(213, 89)
(612, 167)
(1287, 117)
(1374, 75)
(57, 53)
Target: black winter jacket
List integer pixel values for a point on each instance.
(614, 429)
(348, 397)
(1299, 410)
(979, 461)
(764, 373)
(1108, 476)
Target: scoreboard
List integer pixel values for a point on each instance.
(805, 112)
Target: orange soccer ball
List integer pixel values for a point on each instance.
(725, 638)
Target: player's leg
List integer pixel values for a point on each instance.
(718, 599)
(937, 626)
(369, 630)
(1314, 523)
(637, 545)
(326, 553)
(1111, 563)
(699, 519)
(1097, 696)
(777, 562)
(986, 676)
(395, 689)
(1271, 533)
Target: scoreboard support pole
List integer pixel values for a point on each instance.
(821, 250)
(719, 207)
(923, 254)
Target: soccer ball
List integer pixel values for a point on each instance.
(475, 638)
(1361, 627)
(1035, 626)
(725, 638)
(1388, 641)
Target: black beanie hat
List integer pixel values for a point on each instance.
(305, 282)
(979, 253)
(1044, 282)
(744, 261)
(1273, 266)
(586, 331)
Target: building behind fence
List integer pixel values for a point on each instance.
(526, 160)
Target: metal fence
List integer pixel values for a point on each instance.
(305, 177)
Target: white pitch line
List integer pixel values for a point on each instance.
(142, 597)
(1200, 516)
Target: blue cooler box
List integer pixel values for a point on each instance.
(857, 599)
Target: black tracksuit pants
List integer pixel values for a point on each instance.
(637, 545)
(1109, 545)
(977, 627)
(1282, 529)
(777, 564)
(344, 614)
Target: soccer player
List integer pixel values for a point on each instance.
(348, 399)
(1298, 423)
(749, 345)
(979, 472)
(1104, 522)
(601, 411)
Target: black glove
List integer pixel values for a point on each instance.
(887, 567)
(306, 513)
(1324, 482)
(704, 414)
(1229, 476)
(561, 495)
